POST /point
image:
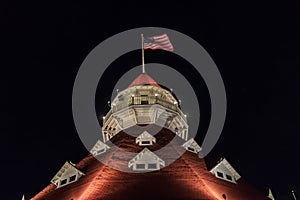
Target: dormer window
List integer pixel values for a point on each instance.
(192, 146)
(120, 97)
(145, 139)
(146, 161)
(99, 148)
(225, 171)
(66, 175)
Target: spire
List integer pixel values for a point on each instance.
(294, 196)
(143, 79)
(143, 57)
(270, 195)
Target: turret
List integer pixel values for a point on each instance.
(144, 102)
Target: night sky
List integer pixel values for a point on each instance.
(255, 46)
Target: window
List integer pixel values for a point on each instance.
(191, 149)
(140, 166)
(144, 102)
(63, 182)
(191, 145)
(72, 178)
(144, 99)
(225, 171)
(100, 151)
(152, 166)
(229, 177)
(120, 97)
(220, 174)
(145, 142)
(224, 196)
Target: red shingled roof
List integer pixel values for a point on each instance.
(143, 79)
(186, 178)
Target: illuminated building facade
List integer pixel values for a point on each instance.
(143, 119)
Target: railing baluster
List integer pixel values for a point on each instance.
(137, 100)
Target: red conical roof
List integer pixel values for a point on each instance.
(186, 178)
(143, 79)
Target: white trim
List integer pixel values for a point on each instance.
(192, 146)
(144, 114)
(227, 170)
(147, 159)
(67, 171)
(145, 139)
(121, 116)
(99, 148)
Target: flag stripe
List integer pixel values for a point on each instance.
(159, 47)
(165, 45)
(158, 42)
(156, 45)
(160, 36)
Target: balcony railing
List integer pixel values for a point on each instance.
(144, 100)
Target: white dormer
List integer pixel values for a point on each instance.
(99, 148)
(192, 146)
(225, 171)
(146, 161)
(145, 139)
(66, 175)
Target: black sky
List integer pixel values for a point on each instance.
(254, 44)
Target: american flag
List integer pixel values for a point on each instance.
(158, 42)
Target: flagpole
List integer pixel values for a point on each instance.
(294, 195)
(143, 58)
